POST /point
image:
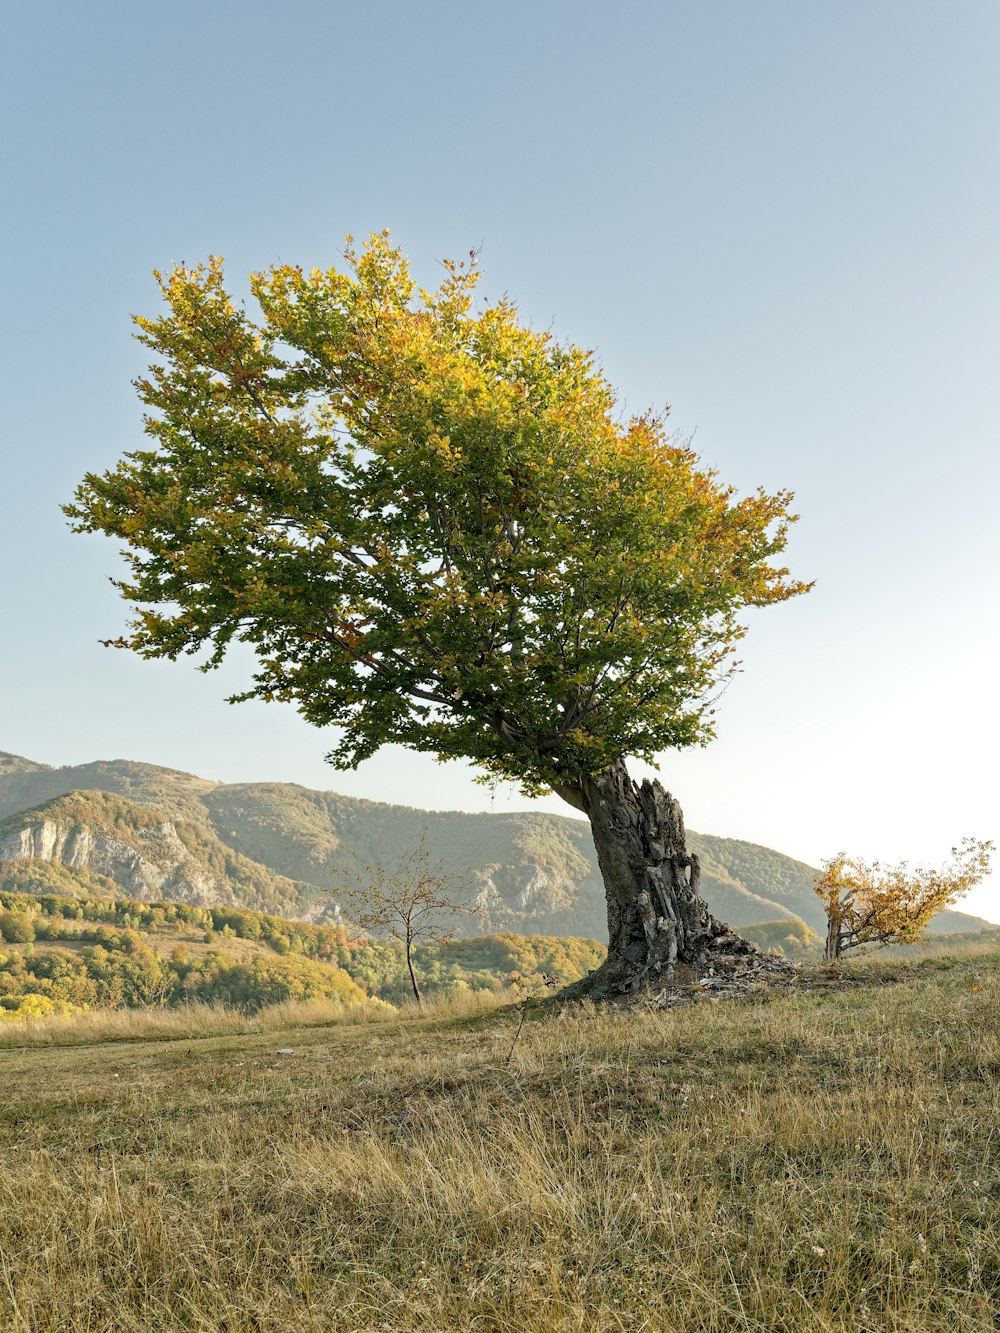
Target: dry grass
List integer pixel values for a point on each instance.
(822, 1161)
(194, 1022)
(190, 1022)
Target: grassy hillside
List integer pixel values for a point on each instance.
(817, 1162)
(60, 953)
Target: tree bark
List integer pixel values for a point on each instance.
(413, 976)
(656, 915)
(834, 938)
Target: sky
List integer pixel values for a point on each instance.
(779, 218)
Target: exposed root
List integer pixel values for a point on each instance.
(726, 965)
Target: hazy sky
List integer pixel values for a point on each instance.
(781, 218)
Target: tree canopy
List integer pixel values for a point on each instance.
(431, 522)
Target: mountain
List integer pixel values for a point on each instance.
(284, 848)
(24, 784)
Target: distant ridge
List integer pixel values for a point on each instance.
(15, 763)
(281, 847)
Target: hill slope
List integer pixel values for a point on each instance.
(534, 873)
(16, 763)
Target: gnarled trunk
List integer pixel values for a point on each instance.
(656, 915)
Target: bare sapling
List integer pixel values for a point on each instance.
(417, 902)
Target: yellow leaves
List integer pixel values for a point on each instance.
(868, 903)
(449, 454)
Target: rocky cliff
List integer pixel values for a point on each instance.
(145, 855)
(154, 865)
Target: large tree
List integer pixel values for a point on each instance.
(436, 529)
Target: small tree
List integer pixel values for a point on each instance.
(872, 904)
(16, 927)
(417, 902)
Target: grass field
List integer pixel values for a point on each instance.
(824, 1160)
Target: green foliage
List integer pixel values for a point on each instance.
(429, 521)
(38, 877)
(16, 927)
(111, 965)
(519, 960)
(793, 938)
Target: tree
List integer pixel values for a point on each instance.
(435, 529)
(415, 903)
(872, 904)
(17, 927)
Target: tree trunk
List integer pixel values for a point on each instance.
(834, 939)
(413, 976)
(656, 915)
